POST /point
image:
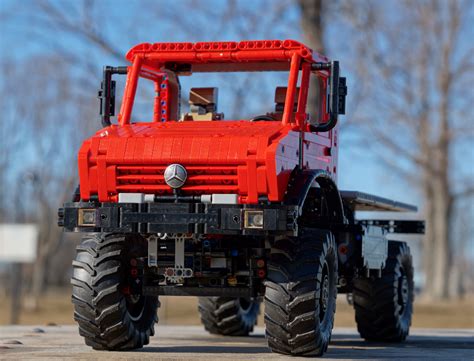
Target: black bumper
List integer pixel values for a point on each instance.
(198, 218)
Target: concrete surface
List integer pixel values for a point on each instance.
(193, 343)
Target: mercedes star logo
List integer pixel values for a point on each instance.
(175, 175)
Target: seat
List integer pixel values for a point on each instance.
(280, 97)
(203, 105)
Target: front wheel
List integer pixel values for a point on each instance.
(300, 295)
(384, 306)
(110, 318)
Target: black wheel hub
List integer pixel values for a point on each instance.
(403, 292)
(324, 296)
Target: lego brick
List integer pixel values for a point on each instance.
(203, 96)
(225, 198)
(280, 94)
(131, 197)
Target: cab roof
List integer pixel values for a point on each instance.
(251, 55)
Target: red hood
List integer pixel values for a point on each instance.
(238, 157)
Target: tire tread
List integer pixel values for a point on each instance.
(99, 307)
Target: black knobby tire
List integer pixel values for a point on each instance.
(228, 316)
(107, 318)
(384, 306)
(301, 291)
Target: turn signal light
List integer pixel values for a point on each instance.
(86, 218)
(253, 219)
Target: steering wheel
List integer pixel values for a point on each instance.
(267, 118)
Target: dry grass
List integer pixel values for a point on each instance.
(56, 308)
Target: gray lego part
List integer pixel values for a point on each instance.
(218, 262)
(206, 198)
(225, 199)
(374, 248)
(152, 251)
(131, 197)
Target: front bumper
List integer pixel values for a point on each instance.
(197, 218)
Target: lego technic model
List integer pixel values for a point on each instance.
(238, 212)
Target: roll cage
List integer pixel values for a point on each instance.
(162, 63)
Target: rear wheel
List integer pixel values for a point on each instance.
(228, 316)
(384, 306)
(108, 317)
(300, 296)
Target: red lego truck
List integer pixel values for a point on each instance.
(234, 211)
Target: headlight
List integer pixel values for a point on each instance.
(86, 218)
(253, 219)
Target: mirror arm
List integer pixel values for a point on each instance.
(337, 93)
(107, 93)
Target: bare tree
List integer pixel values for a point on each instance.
(312, 13)
(312, 24)
(45, 121)
(415, 61)
(10, 139)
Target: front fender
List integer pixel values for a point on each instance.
(301, 182)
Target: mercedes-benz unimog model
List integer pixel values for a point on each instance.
(237, 212)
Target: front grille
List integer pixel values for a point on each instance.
(201, 179)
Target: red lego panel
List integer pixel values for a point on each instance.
(239, 157)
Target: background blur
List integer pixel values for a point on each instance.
(408, 133)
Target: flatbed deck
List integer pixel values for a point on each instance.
(361, 201)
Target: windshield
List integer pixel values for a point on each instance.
(209, 96)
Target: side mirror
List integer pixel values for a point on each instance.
(336, 97)
(107, 93)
